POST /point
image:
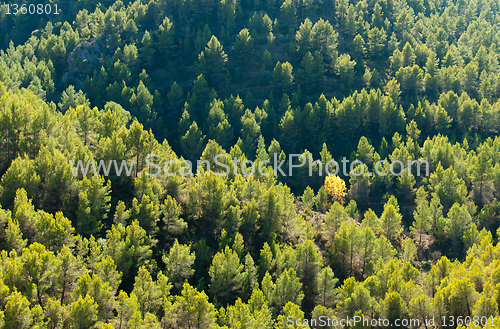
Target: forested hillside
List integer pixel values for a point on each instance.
(255, 80)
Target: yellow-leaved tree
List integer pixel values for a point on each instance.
(335, 187)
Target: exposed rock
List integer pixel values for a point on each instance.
(82, 61)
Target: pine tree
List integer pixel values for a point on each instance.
(211, 63)
(377, 38)
(199, 97)
(289, 311)
(250, 132)
(54, 232)
(131, 57)
(309, 263)
(358, 51)
(367, 250)
(341, 7)
(308, 199)
(365, 151)
(459, 221)
(226, 276)
(218, 125)
(354, 296)
(396, 60)
(461, 295)
(409, 251)
(283, 77)
(130, 248)
(175, 98)
(130, 29)
(420, 307)
(192, 310)
(250, 282)
(486, 306)
(345, 69)
(447, 186)
(267, 60)
(303, 37)
(55, 314)
(71, 98)
(165, 34)
(287, 289)
(147, 213)
(146, 54)
(408, 55)
(422, 216)
(326, 283)
(393, 306)
(38, 267)
(171, 212)
(126, 307)
(335, 216)
(479, 170)
(87, 120)
(324, 38)
(17, 312)
(93, 205)
(260, 25)
(411, 80)
(83, 312)
(14, 237)
(311, 74)
(179, 262)
(390, 221)
(243, 45)
(142, 105)
(431, 78)
(350, 22)
(267, 262)
(106, 269)
(192, 142)
(149, 294)
(289, 133)
(100, 292)
(261, 149)
(286, 257)
(288, 15)
(346, 244)
(377, 19)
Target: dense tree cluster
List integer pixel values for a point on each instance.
(256, 80)
(162, 62)
(173, 251)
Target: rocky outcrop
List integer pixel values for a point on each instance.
(82, 61)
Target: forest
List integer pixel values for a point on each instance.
(369, 80)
